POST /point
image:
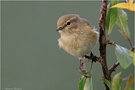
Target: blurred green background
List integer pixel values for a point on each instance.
(31, 58)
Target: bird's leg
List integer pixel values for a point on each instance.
(81, 65)
(92, 57)
(91, 68)
(81, 68)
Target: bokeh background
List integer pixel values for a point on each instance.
(31, 58)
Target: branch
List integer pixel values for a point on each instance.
(132, 46)
(111, 42)
(102, 41)
(113, 67)
(93, 58)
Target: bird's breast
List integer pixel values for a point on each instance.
(75, 45)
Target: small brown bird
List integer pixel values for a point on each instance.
(77, 35)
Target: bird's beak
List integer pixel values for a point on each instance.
(59, 28)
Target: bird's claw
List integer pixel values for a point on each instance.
(83, 72)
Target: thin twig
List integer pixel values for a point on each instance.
(111, 42)
(131, 44)
(113, 67)
(132, 48)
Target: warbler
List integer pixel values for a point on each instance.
(77, 36)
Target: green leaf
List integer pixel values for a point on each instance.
(85, 83)
(132, 54)
(122, 23)
(116, 82)
(111, 16)
(82, 83)
(129, 82)
(88, 85)
(108, 83)
(122, 55)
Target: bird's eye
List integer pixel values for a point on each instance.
(68, 23)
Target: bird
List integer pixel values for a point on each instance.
(77, 36)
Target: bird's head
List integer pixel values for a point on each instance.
(68, 23)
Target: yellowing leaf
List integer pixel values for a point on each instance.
(130, 1)
(129, 5)
(132, 54)
(129, 82)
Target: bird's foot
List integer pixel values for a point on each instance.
(82, 71)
